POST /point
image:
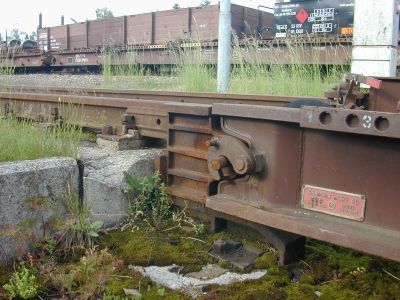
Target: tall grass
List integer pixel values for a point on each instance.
(124, 71)
(284, 70)
(7, 68)
(194, 71)
(25, 139)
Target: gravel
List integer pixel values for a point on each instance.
(89, 81)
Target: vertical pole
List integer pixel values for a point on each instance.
(224, 46)
(40, 21)
(375, 39)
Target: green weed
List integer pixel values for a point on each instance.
(27, 140)
(77, 231)
(148, 196)
(271, 70)
(23, 283)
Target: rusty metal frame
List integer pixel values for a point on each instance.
(245, 159)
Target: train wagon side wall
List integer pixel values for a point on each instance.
(245, 21)
(78, 36)
(139, 29)
(106, 32)
(197, 24)
(204, 23)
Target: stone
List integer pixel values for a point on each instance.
(103, 180)
(22, 184)
(132, 140)
(190, 286)
(132, 292)
(208, 272)
(242, 257)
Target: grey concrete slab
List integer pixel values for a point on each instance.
(103, 180)
(23, 182)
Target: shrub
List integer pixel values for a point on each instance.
(23, 283)
(148, 196)
(78, 231)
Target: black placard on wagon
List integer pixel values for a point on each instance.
(314, 17)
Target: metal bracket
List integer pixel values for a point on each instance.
(228, 157)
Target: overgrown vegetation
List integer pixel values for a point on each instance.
(148, 198)
(267, 70)
(23, 283)
(25, 139)
(7, 69)
(104, 271)
(77, 232)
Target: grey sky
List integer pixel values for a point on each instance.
(23, 14)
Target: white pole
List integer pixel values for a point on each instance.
(376, 25)
(224, 46)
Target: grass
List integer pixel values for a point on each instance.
(125, 72)
(26, 140)
(6, 69)
(269, 70)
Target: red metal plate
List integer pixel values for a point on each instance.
(332, 202)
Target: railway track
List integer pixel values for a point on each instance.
(329, 173)
(95, 108)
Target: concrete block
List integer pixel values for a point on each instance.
(103, 180)
(23, 180)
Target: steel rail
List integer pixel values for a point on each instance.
(95, 108)
(171, 96)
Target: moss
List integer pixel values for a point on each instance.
(266, 261)
(5, 275)
(147, 247)
(306, 279)
(300, 292)
(117, 283)
(335, 272)
(225, 264)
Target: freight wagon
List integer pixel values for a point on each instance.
(323, 27)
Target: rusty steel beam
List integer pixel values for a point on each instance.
(92, 112)
(96, 108)
(171, 96)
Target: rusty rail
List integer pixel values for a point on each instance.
(172, 96)
(120, 109)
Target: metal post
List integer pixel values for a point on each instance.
(40, 21)
(376, 25)
(224, 46)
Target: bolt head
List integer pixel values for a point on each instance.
(239, 164)
(215, 164)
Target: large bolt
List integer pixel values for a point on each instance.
(211, 143)
(217, 164)
(239, 164)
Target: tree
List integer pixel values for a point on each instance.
(17, 34)
(32, 36)
(176, 6)
(103, 13)
(205, 3)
